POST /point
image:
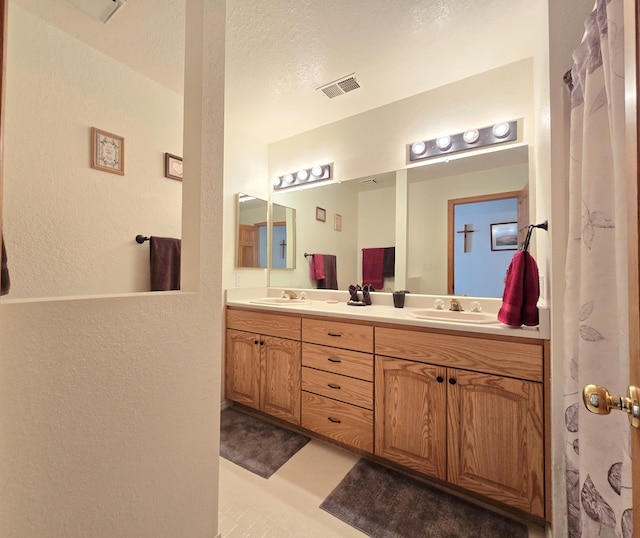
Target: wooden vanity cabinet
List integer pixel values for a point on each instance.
(337, 381)
(263, 371)
(482, 431)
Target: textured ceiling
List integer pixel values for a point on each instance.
(280, 51)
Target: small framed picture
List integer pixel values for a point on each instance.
(172, 166)
(504, 236)
(107, 151)
(337, 222)
(321, 214)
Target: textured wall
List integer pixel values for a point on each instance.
(69, 228)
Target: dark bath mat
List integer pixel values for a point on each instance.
(256, 445)
(384, 503)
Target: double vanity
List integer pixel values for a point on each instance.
(452, 395)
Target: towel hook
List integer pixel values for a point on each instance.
(544, 225)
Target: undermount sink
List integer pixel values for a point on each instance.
(280, 301)
(452, 315)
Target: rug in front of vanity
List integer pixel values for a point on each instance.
(385, 503)
(256, 445)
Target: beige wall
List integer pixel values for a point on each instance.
(110, 406)
(69, 228)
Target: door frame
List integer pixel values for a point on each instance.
(451, 232)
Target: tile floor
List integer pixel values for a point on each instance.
(287, 504)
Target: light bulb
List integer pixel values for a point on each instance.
(289, 179)
(277, 181)
(302, 175)
(443, 142)
(500, 130)
(418, 148)
(317, 171)
(471, 136)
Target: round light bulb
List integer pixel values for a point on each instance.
(277, 181)
(500, 130)
(418, 148)
(302, 175)
(317, 171)
(471, 136)
(443, 142)
(289, 179)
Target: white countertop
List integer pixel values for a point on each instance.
(334, 303)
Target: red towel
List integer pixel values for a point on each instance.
(317, 267)
(372, 267)
(521, 292)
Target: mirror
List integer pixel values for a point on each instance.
(251, 231)
(283, 237)
(367, 212)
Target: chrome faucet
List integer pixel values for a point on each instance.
(455, 306)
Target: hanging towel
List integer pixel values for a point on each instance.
(389, 262)
(4, 274)
(521, 292)
(330, 280)
(317, 267)
(372, 267)
(164, 253)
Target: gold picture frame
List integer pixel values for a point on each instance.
(173, 166)
(337, 222)
(107, 151)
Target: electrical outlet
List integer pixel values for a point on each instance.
(238, 279)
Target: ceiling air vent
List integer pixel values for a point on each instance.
(340, 86)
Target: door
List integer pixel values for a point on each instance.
(483, 409)
(411, 415)
(242, 368)
(248, 243)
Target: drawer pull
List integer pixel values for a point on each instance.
(334, 420)
(334, 360)
(334, 334)
(333, 386)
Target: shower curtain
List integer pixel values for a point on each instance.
(598, 470)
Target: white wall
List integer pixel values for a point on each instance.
(69, 228)
(427, 229)
(110, 406)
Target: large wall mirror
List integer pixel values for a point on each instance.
(367, 206)
(69, 228)
(252, 232)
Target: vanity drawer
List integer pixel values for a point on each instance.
(342, 422)
(338, 361)
(338, 334)
(338, 387)
(264, 323)
(511, 359)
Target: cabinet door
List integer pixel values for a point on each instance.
(410, 415)
(280, 378)
(495, 438)
(242, 368)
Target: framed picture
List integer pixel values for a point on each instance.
(504, 236)
(321, 214)
(107, 151)
(337, 222)
(172, 166)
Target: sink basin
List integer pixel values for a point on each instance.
(450, 315)
(281, 301)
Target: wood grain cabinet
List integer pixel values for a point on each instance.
(481, 431)
(263, 371)
(337, 381)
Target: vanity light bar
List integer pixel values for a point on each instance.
(499, 133)
(304, 176)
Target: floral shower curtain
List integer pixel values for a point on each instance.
(598, 468)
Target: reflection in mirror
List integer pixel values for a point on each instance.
(283, 237)
(368, 216)
(251, 231)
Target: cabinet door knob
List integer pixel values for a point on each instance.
(439, 379)
(334, 420)
(262, 342)
(333, 386)
(256, 342)
(452, 381)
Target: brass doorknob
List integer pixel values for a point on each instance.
(598, 400)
